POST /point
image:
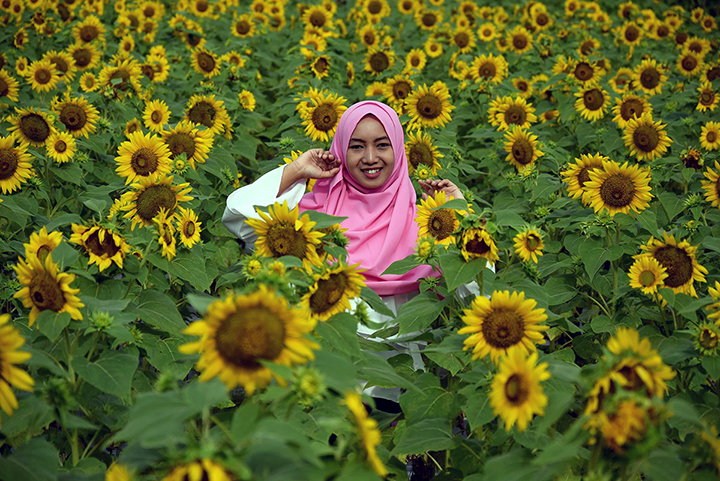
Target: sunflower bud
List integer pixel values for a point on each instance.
(100, 321)
(309, 385)
(58, 394)
(693, 200)
(166, 382)
(286, 143)
(425, 249)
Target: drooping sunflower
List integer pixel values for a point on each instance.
(205, 110)
(678, 258)
(156, 115)
(649, 77)
(166, 234)
(618, 188)
(89, 29)
(420, 150)
(621, 82)
(283, 232)
(333, 288)
(430, 107)
(10, 375)
(710, 136)
(61, 147)
(592, 102)
(647, 274)
(142, 155)
(77, 115)
(45, 288)
(707, 98)
(31, 126)
(689, 63)
(205, 62)
(123, 78)
(630, 106)
(435, 221)
(370, 435)
(529, 244)
(476, 243)
(502, 322)
(711, 186)
(646, 139)
(104, 246)
(398, 89)
(186, 138)
(519, 40)
(241, 330)
(489, 68)
(505, 112)
(15, 165)
(521, 147)
(200, 469)
(151, 194)
(189, 227)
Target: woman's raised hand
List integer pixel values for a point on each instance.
(317, 164)
(430, 187)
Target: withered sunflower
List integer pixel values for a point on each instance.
(61, 147)
(104, 246)
(430, 107)
(333, 288)
(505, 112)
(437, 222)
(707, 98)
(156, 115)
(189, 227)
(31, 126)
(205, 62)
(502, 322)
(186, 138)
(240, 331)
(322, 115)
(476, 243)
(489, 68)
(646, 139)
(578, 174)
(151, 194)
(630, 106)
(15, 165)
(77, 115)
(710, 136)
(711, 186)
(142, 156)
(592, 102)
(650, 77)
(529, 245)
(521, 147)
(205, 110)
(420, 150)
(647, 274)
(619, 188)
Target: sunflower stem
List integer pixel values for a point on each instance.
(663, 322)
(434, 461)
(142, 264)
(480, 283)
(222, 427)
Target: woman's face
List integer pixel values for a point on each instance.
(370, 157)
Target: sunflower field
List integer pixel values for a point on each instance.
(140, 340)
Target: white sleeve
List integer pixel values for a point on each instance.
(263, 192)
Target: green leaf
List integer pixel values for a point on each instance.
(35, 460)
(111, 373)
(205, 395)
(63, 220)
(648, 220)
(419, 312)
(712, 243)
(427, 435)
(403, 265)
(455, 204)
(51, 324)
(509, 218)
(244, 421)
(190, 267)
(375, 302)
(340, 333)
(375, 369)
(31, 416)
(612, 142)
(158, 310)
(200, 302)
(64, 255)
(586, 134)
(458, 272)
(322, 219)
(429, 401)
(337, 369)
(711, 366)
(602, 323)
(663, 464)
(478, 410)
(164, 356)
(671, 203)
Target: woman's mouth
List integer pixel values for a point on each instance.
(372, 173)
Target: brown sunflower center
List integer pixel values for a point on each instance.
(713, 74)
(532, 242)
(462, 39)
(45, 293)
(105, 248)
(429, 19)
(202, 5)
(59, 64)
(583, 71)
(542, 19)
(156, 116)
(149, 11)
(122, 75)
(374, 7)
(593, 99)
(369, 38)
(43, 76)
(487, 33)
(189, 229)
(4, 87)
(329, 292)
(407, 5)
(242, 27)
(522, 151)
(34, 127)
(516, 389)
(73, 117)
(515, 115)
(646, 278)
(587, 47)
(206, 62)
(420, 154)
(441, 223)
(519, 41)
(202, 113)
(60, 146)
(8, 163)
(617, 191)
(622, 80)
(148, 70)
(650, 78)
(415, 61)
(632, 33)
(708, 339)
(321, 65)
(631, 107)
(324, 117)
(522, 85)
(179, 143)
(249, 335)
(707, 97)
(487, 70)
(681, 38)
(477, 246)
(678, 265)
(284, 240)
(711, 137)
(503, 328)
(663, 31)
(646, 138)
(317, 19)
(708, 23)
(689, 63)
(144, 161)
(82, 57)
(151, 200)
(401, 89)
(379, 62)
(88, 33)
(584, 175)
(429, 107)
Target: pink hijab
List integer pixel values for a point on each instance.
(381, 222)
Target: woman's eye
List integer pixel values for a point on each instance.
(356, 147)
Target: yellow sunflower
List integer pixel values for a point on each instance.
(398, 89)
(529, 244)
(132, 126)
(427, 18)
(618, 188)
(711, 72)
(646, 139)
(678, 258)
(378, 60)
(89, 29)
(241, 330)
(186, 138)
(189, 227)
(15, 165)
(151, 194)
(9, 87)
(85, 56)
(317, 16)
(630, 106)
(370, 435)
(501, 322)
(521, 147)
(592, 102)
(476, 243)
(487, 32)
(407, 7)
(430, 107)
(205, 62)
(586, 72)
(77, 115)
(464, 39)
(507, 111)
(285, 233)
(420, 150)
(156, 115)
(123, 78)
(415, 60)
(320, 66)
(524, 87)
(433, 48)
(61, 147)
(333, 288)
(10, 375)
(41, 243)
(45, 288)
(713, 309)
(588, 47)
(519, 40)
(489, 68)
(166, 234)
(630, 34)
(31, 126)
(88, 82)
(246, 99)
(104, 246)
(711, 186)
(649, 77)
(647, 274)
(205, 110)
(516, 394)
(710, 136)
(200, 469)
(707, 99)
(322, 115)
(142, 156)
(369, 36)
(43, 76)
(437, 222)
(689, 63)
(621, 82)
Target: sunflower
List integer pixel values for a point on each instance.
(487, 32)
(415, 60)
(630, 106)
(318, 17)
(519, 40)
(370, 435)
(588, 47)
(44, 288)
(398, 88)
(77, 115)
(10, 375)
(506, 111)
(437, 222)
(618, 188)
(284, 232)
(375, 89)
(678, 258)
(713, 309)
(464, 39)
(151, 194)
(205, 110)
(502, 322)
(378, 59)
(122, 77)
(166, 234)
(524, 87)
(85, 56)
(241, 330)
(430, 107)
(15, 165)
(31, 126)
(489, 68)
(320, 66)
(61, 147)
(476, 243)
(9, 87)
(428, 19)
(142, 156)
(205, 62)
(711, 186)
(369, 36)
(88, 82)
(707, 98)
(646, 139)
(88, 30)
(689, 63)
(529, 244)
(63, 62)
(132, 126)
(332, 290)
(630, 34)
(586, 72)
(43, 76)
(710, 136)
(706, 338)
(649, 77)
(200, 469)
(647, 274)
(420, 150)
(322, 115)
(103, 245)
(156, 68)
(41, 243)
(621, 82)
(433, 48)
(521, 147)
(708, 23)
(711, 72)
(189, 227)
(156, 115)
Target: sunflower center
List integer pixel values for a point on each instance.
(487, 33)
(88, 33)
(650, 78)
(242, 27)
(689, 62)
(202, 113)
(59, 64)
(584, 176)
(144, 161)
(663, 31)
(631, 108)
(617, 191)
(189, 229)
(522, 151)
(587, 47)
(646, 138)
(632, 33)
(34, 127)
(369, 38)
(401, 89)
(415, 61)
(106, 247)
(328, 293)
(374, 7)
(522, 86)
(206, 62)
(542, 19)
(43, 76)
(317, 19)
(73, 117)
(429, 107)
(462, 39)
(284, 240)
(583, 71)
(646, 278)
(249, 335)
(519, 41)
(8, 163)
(593, 99)
(156, 116)
(4, 87)
(707, 97)
(516, 389)
(441, 223)
(179, 143)
(503, 328)
(708, 339)
(379, 62)
(124, 77)
(420, 154)
(321, 65)
(82, 57)
(45, 293)
(477, 246)
(711, 137)
(60, 146)
(713, 74)
(487, 70)
(324, 117)
(678, 265)
(151, 200)
(202, 5)
(515, 115)
(429, 19)
(532, 242)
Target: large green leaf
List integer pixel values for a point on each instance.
(340, 333)
(52, 323)
(477, 409)
(112, 372)
(419, 312)
(35, 460)
(158, 310)
(426, 435)
(190, 267)
(375, 302)
(164, 356)
(458, 272)
(429, 401)
(376, 370)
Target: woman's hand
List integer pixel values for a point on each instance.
(316, 164)
(430, 187)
